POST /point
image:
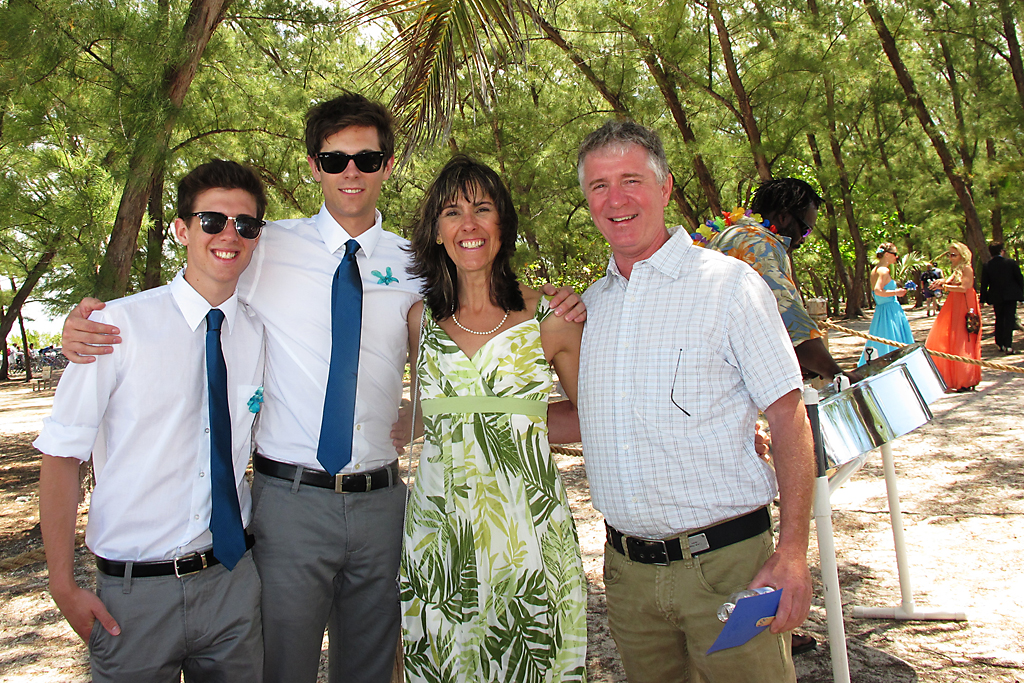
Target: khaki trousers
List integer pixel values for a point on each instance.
(663, 618)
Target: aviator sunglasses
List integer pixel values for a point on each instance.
(336, 162)
(212, 222)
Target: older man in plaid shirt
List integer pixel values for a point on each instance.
(683, 347)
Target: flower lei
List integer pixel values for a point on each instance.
(738, 216)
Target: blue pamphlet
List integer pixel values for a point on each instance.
(751, 616)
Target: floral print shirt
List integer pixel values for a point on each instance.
(766, 253)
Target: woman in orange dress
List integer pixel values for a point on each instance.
(949, 333)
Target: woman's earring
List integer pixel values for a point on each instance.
(439, 240)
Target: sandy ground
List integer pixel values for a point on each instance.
(961, 489)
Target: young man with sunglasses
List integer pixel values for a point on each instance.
(176, 587)
(329, 504)
(788, 208)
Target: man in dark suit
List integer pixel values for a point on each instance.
(1002, 286)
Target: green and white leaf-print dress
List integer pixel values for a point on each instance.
(492, 584)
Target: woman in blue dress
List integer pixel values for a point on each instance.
(889, 322)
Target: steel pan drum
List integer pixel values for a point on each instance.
(874, 411)
(920, 366)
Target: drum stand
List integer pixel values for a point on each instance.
(906, 609)
(823, 489)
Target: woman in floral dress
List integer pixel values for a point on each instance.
(492, 584)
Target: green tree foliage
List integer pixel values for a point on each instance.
(739, 92)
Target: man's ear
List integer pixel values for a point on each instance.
(314, 168)
(181, 231)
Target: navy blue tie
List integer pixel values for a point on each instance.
(225, 517)
(335, 448)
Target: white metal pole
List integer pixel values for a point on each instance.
(827, 550)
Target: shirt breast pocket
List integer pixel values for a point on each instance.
(677, 385)
(248, 399)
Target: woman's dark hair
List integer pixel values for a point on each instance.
(467, 177)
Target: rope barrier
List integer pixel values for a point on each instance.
(566, 451)
(970, 361)
(34, 556)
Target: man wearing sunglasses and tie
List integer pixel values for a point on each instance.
(333, 291)
(167, 422)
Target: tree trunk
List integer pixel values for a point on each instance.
(21, 295)
(155, 238)
(5, 363)
(993, 191)
(685, 208)
(146, 163)
(669, 92)
(1010, 33)
(973, 234)
(833, 224)
(764, 171)
(555, 36)
(854, 303)
(966, 157)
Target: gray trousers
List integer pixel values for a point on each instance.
(328, 559)
(205, 625)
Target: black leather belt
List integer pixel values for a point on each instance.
(179, 566)
(670, 550)
(382, 478)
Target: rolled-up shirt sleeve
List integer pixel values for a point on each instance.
(79, 405)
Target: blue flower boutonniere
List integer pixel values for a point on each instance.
(384, 279)
(256, 402)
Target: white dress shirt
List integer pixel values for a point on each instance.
(142, 413)
(675, 364)
(288, 283)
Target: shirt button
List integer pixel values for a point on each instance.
(622, 394)
(202, 474)
(196, 517)
(358, 427)
(625, 447)
(634, 499)
(632, 298)
(207, 430)
(358, 467)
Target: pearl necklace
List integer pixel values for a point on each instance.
(491, 331)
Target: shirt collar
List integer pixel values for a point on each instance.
(668, 259)
(194, 307)
(335, 236)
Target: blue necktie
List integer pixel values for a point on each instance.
(335, 448)
(225, 518)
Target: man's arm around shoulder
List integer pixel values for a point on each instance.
(793, 456)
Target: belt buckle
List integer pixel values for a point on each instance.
(178, 573)
(646, 549)
(698, 543)
(339, 480)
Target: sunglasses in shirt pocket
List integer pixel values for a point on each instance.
(679, 383)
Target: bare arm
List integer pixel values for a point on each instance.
(561, 341)
(401, 431)
(58, 511)
(966, 281)
(814, 357)
(793, 456)
(82, 339)
(882, 280)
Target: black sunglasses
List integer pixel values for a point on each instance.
(803, 224)
(336, 162)
(212, 222)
